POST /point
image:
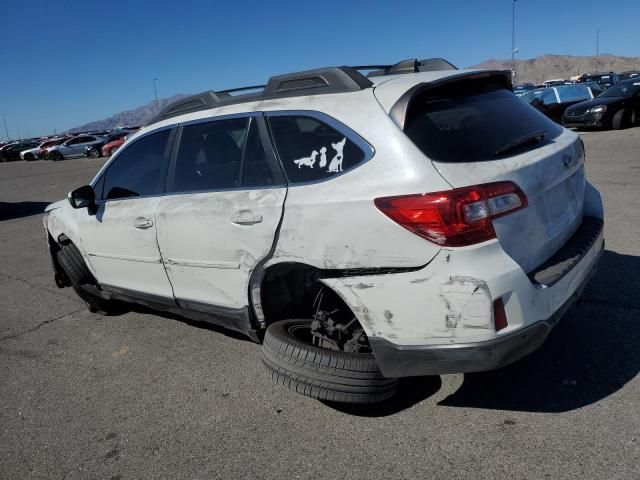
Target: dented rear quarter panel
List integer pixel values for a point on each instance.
(450, 301)
(334, 224)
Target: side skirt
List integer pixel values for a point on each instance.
(236, 319)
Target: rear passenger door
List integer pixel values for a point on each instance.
(225, 195)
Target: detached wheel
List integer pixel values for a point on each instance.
(71, 261)
(330, 375)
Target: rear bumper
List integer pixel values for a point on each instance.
(407, 361)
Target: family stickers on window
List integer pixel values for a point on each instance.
(336, 162)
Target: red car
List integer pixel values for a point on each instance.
(42, 153)
(110, 148)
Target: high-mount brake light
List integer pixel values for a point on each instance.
(454, 218)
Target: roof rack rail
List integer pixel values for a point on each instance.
(410, 66)
(309, 82)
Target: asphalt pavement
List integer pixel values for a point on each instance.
(145, 396)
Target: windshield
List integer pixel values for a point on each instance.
(473, 121)
(621, 90)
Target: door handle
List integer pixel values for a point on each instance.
(246, 218)
(143, 223)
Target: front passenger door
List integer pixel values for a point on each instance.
(120, 238)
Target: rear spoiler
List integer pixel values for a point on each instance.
(398, 112)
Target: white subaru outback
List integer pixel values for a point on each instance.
(418, 220)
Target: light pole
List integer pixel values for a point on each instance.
(597, 47)
(155, 91)
(513, 38)
(4, 117)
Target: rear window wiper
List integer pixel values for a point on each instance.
(528, 139)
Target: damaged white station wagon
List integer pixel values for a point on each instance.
(417, 220)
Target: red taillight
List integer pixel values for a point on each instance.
(457, 217)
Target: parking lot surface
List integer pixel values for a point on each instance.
(144, 395)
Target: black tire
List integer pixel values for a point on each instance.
(94, 153)
(328, 375)
(71, 261)
(55, 156)
(619, 120)
(29, 157)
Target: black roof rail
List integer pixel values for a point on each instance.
(411, 66)
(310, 82)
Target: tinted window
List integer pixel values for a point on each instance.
(138, 169)
(311, 150)
(473, 120)
(573, 93)
(210, 156)
(625, 89)
(257, 170)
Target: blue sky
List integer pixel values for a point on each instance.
(69, 62)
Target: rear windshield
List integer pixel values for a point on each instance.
(474, 121)
(573, 93)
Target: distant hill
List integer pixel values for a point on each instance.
(546, 67)
(129, 118)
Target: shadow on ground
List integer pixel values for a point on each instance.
(13, 210)
(590, 355)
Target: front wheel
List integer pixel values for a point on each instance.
(94, 153)
(620, 120)
(29, 157)
(76, 270)
(331, 375)
(55, 156)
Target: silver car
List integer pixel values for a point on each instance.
(74, 147)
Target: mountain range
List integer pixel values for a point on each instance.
(534, 70)
(129, 118)
(547, 67)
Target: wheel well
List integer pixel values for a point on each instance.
(61, 278)
(289, 290)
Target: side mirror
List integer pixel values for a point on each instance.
(83, 197)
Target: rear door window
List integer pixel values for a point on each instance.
(210, 156)
(223, 154)
(257, 170)
(311, 150)
(473, 121)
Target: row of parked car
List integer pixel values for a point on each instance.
(598, 81)
(594, 101)
(93, 145)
